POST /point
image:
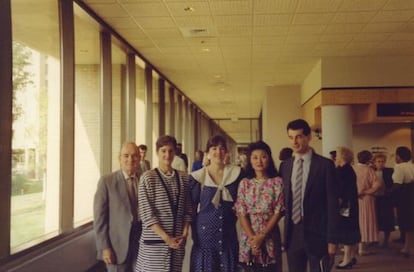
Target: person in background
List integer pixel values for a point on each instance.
(333, 155)
(198, 160)
(165, 209)
(284, 154)
(144, 164)
(178, 162)
(368, 185)
(259, 207)
(116, 221)
(384, 199)
(403, 178)
(182, 155)
(213, 193)
(311, 204)
(349, 233)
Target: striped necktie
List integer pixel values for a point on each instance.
(132, 196)
(297, 194)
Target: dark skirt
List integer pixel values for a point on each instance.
(406, 206)
(385, 213)
(349, 233)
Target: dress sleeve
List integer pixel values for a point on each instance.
(278, 204)
(146, 198)
(195, 189)
(187, 199)
(241, 206)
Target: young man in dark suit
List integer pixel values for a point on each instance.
(311, 203)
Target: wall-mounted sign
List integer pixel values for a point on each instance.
(395, 109)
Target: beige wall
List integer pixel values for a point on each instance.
(389, 136)
(281, 105)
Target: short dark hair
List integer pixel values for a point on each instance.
(299, 124)
(364, 156)
(165, 140)
(271, 171)
(142, 147)
(215, 141)
(404, 153)
(285, 153)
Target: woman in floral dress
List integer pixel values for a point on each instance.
(259, 205)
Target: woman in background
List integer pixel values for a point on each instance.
(384, 199)
(349, 215)
(368, 185)
(213, 193)
(259, 207)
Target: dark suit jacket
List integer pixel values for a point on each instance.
(320, 205)
(112, 215)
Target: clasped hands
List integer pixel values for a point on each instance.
(255, 242)
(176, 242)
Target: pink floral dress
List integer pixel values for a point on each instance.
(260, 200)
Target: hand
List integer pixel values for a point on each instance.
(256, 242)
(108, 256)
(174, 242)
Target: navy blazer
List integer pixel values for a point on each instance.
(320, 205)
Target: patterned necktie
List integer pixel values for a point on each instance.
(132, 196)
(297, 194)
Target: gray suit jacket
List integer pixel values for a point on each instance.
(320, 204)
(112, 215)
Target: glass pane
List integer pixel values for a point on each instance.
(140, 103)
(36, 122)
(118, 87)
(87, 115)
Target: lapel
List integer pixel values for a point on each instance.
(288, 168)
(120, 185)
(312, 174)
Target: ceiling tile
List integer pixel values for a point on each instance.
(393, 16)
(233, 20)
(155, 22)
(318, 6)
(344, 28)
(353, 17)
(371, 37)
(337, 37)
(231, 7)
(274, 6)
(272, 19)
(399, 4)
(382, 27)
(191, 9)
(307, 29)
(312, 18)
(109, 10)
(147, 9)
(365, 5)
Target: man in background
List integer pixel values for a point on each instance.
(144, 164)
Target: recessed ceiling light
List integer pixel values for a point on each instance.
(189, 9)
(205, 49)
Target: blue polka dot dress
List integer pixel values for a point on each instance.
(215, 244)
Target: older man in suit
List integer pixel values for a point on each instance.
(311, 202)
(116, 220)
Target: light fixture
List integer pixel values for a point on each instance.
(189, 9)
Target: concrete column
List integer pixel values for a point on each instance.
(336, 127)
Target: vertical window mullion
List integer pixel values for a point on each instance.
(67, 141)
(6, 98)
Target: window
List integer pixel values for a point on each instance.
(36, 123)
(87, 115)
(118, 88)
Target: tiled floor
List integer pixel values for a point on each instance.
(382, 260)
